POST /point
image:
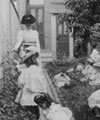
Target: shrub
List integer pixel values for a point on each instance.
(9, 110)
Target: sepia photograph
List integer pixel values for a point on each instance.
(50, 60)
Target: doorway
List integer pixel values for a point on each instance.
(62, 38)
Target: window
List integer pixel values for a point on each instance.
(36, 8)
(36, 2)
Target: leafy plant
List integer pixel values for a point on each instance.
(75, 97)
(84, 16)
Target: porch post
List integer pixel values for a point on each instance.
(71, 44)
(53, 35)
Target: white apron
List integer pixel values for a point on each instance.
(31, 81)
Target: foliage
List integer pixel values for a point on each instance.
(61, 55)
(95, 33)
(62, 65)
(86, 13)
(84, 16)
(75, 97)
(80, 48)
(9, 110)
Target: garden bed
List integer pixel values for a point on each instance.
(76, 96)
(9, 110)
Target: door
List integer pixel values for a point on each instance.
(62, 38)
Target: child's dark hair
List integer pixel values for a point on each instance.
(32, 60)
(94, 46)
(43, 98)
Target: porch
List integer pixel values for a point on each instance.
(46, 56)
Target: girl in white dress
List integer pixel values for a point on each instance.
(31, 81)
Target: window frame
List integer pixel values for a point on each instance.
(57, 27)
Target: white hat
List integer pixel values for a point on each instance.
(27, 55)
(32, 49)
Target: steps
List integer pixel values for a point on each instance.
(46, 56)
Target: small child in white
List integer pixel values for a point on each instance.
(52, 110)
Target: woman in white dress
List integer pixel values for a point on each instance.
(27, 39)
(31, 81)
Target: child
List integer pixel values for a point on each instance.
(52, 110)
(31, 81)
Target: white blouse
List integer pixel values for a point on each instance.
(57, 112)
(28, 36)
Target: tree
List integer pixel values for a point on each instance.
(85, 14)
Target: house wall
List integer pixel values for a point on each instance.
(9, 25)
(14, 26)
(21, 7)
(14, 22)
(4, 27)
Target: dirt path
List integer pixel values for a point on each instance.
(52, 91)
